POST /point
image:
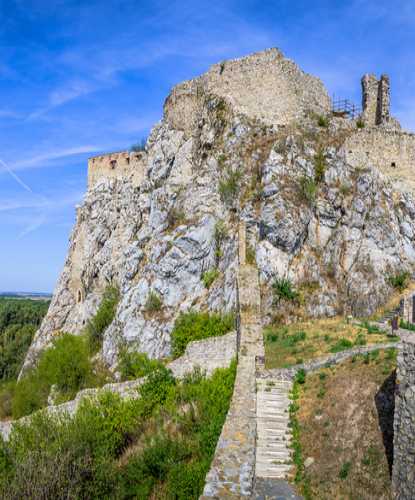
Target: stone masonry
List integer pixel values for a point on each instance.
(403, 474)
(122, 165)
(233, 467)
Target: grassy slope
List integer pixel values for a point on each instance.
(341, 415)
(287, 346)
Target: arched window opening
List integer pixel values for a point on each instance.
(393, 164)
(79, 298)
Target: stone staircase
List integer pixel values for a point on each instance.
(273, 455)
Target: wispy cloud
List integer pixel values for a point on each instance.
(61, 95)
(43, 159)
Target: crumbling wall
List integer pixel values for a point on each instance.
(122, 165)
(403, 474)
(391, 151)
(263, 85)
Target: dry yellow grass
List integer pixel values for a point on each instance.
(305, 340)
(346, 420)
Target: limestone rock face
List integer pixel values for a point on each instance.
(233, 144)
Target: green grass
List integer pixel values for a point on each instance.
(157, 446)
(209, 277)
(154, 303)
(400, 280)
(197, 326)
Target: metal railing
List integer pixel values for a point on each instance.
(345, 108)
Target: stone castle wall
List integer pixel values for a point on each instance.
(392, 151)
(123, 165)
(263, 85)
(403, 474)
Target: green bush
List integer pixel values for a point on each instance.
(154, 303)
(323, 121)
(300, 376)
(345, 469)
(399, 281)
(229, 186)
(283, 290)
(220, 234)
(150, 447)
(308, 188)
(360, 123)
(319, 167)
(103, 318)
(134, 365)
(66, 365)
(209, 277)
(197, 326)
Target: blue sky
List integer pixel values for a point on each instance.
(79, 78)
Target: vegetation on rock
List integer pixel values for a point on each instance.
(197, 326)
(96, 326)
(157, 446)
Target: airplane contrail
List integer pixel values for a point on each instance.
(16, 177)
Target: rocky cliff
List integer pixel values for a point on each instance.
(243, 142)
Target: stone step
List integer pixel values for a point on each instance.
(273, 454)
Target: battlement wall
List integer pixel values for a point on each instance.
(404, 422)
(392, 151)
(122, 165)
(264, 85)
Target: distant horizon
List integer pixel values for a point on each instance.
(20, 292)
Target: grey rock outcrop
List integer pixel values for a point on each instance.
(233, 144)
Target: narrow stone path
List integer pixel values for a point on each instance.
(273, 454)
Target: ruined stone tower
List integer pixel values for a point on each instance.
(375, 99)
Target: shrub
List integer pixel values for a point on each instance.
(229, 186)
(220, 233)
(139, 146)
(341, 345)
(283, 290)
(154, 303)
(300, 376)
(104, 316)
(360, 123)
(399, 281)
(65, 365)
(134, 365)
(197, 326)
(114, 448)
(308, 188)
(319, 166)
(345, 469)
(6, 398)
(209, 277)
(323, 121)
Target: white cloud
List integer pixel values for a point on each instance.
(41, 160)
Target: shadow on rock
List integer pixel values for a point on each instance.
(385, 405)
